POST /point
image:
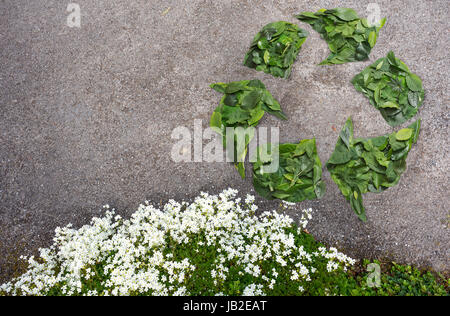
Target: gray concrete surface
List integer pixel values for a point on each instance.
(87, 115)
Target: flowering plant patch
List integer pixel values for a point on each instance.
(214, 246)
(243, 105)
(299, 176)
(392, 89)
(275, 48)
(349, 38)
(360, 165)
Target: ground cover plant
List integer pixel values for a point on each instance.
(275, 48)
(216, 245)
(403, 280)
(298, 177)
(243, 105)
(213, 246)
(349, 38)
(361, 165)
(392, 89)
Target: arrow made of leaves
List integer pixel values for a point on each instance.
(361, 165)
(392, 89)
(299, 173)
(349, 38)
(275, 48)
(243, 105)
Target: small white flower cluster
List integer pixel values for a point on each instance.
(335, 258)
(112, 256)
(254, 290)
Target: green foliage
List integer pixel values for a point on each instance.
(402, 280)
(201, 283)
(392, 89)
(349, 37)
(275, 48)
(359, 166)
(299, 173)
(243, 105)
(395, 279)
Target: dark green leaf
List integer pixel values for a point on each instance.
(345, 14)
(251, 99)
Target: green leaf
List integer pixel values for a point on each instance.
(372, 38)
(251, 99)
(414, 99)
(230, 100)
(263, 44)
(416, 128)
(256, 115)
(404, 134)
(391, 58)
(256, 84)
(414, 82)
(320, 189)
(390, 104)
(233, 115)
(357, 205)
(216, 122)
(234, 87)
(347, 133)
(241, 169)
(307, 15)
(266, 56)
(345, 14)
(219, 87)
(380, 64)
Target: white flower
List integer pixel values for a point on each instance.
(253, 290)
(249, 199)
(141, 255)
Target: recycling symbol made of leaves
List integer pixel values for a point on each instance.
(358, 165)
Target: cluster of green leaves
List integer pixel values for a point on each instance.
(401, 280)
(243, 105)
(349, 37)
(275, 48)
(299, 173)
(392, 89)
(360, 165)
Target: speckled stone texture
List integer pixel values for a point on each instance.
(87, 115)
